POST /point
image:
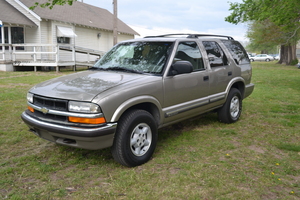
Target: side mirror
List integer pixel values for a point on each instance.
(181, 67)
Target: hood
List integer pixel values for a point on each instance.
(82, 86)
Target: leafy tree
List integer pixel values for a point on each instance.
(257, 32)
(271, 22)
(51, 3)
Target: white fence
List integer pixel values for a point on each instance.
(48, 55)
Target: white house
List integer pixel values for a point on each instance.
(63, 36)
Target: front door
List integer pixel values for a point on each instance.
(184, 94)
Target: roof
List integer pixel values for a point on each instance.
(80, 14)
(6, 16)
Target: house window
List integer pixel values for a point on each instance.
(63, 40)
(17, 35)
(6, 35)
(5, 30)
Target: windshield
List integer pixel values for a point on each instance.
(141, 57)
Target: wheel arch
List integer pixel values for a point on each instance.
(237, 83)
(147, 103)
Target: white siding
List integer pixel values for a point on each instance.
(122, 37)
(46, 32)
(88, 38)
(92, 38)
(31, 35)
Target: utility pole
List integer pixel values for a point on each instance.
(115, 31)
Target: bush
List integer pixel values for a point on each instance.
(294, 62)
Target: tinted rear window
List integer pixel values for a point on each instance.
(237, 51)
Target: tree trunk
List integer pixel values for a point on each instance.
(287, 54)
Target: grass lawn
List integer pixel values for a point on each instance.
(256, 158)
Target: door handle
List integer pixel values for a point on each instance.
(205, 78)
(229, 73)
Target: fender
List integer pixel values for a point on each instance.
(232, 82)
(135, 101)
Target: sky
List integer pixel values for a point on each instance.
(157, 17)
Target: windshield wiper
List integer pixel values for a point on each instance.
(124, 69)
(96, 68)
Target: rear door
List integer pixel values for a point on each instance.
(221, 71)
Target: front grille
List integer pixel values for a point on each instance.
(52, 104)
(50, 117)
(57, 105)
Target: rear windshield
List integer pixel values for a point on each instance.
(143, 57)
(237, 51)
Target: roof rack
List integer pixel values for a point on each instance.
(192, 35)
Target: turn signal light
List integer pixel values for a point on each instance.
(87, 120)
(30, 109)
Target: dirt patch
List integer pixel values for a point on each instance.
(174, 170)
(257, 149)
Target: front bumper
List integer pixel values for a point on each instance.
(85, 138)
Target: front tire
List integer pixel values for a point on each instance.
(135, 138)
(232, 109)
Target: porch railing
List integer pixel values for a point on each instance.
(48, 55)
(5, 52)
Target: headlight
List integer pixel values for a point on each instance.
(30, 97)
(83, 107)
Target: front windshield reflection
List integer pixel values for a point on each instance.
(142, 57)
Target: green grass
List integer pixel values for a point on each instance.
(256, 158)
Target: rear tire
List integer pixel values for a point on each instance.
(232, 109)
(135, 138)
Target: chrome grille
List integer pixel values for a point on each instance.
(49, 103)
(50, 117)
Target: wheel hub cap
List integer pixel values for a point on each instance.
(140, 139)
(234, 107)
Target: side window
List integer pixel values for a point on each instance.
(189, 51)
(216, 55)
(237, 51)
